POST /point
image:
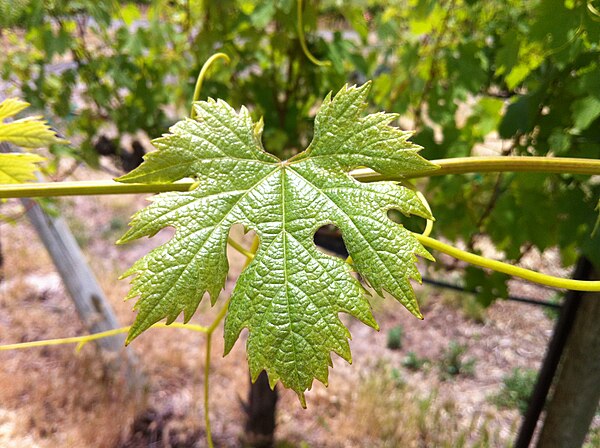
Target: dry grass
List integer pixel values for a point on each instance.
(70, 403)
(388, 412)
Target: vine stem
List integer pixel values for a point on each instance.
(429, 225)
(499, 266)
(465, 165)
(207, 358)
(209, 332)
(82, 340)
(201, 77)
(459, 165)
(237, 246)
(594, 12)
(86, 188)
(302, 39)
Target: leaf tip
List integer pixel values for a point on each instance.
(428, 256)
(259, 127)
(124, 275)
(124, 178)
(130, 337)
(214, 296)
(366, 86)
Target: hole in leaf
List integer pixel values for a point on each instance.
(329, 237)
(413, 223)
(161, 237)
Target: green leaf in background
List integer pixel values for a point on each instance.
(30, 132)
(290, 295)
(355, 16)
(130, 13)
(507, 56)
(585, 111)
(519, 116)
(489, 285)
(11, 11)
(18, 168)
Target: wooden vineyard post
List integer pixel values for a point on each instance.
(577, 387)
(260, 413)
(92, 306)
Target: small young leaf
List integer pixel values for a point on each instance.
(29, 132)
(290, 295)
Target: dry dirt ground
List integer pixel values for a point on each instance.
(54, 396)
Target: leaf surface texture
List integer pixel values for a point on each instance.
(290, 295)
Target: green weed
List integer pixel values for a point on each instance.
(394, 338)
(413, 362)
(516, 390)
(453, 362)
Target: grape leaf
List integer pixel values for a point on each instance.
(30, 132)
(585, 111)
(290, 295)
(18, 168)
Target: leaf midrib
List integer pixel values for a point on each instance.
(285, 271)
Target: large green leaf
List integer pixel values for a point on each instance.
(290, 295)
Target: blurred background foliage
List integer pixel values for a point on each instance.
(498, 77)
